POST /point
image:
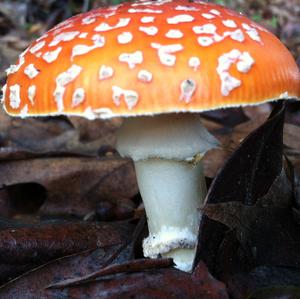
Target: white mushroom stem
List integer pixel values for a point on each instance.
(167, 151)
(172, 207)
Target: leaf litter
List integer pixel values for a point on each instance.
(250, 210)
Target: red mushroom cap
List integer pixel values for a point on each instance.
(148, 58)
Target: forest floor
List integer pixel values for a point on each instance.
(69, 205)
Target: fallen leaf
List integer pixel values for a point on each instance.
(258, 112)
(74, 185)
(291, 137)
(23, 248)
(250, 171)
(151, 283)
(267, 282)
(57, 135)
(227, 117)
(276, 292)
(249, 211)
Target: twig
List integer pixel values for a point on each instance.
(126, 267)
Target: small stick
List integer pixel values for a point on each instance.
(126, 267)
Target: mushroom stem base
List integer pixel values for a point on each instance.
(172, 192)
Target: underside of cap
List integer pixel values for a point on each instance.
(174, 136)
(146, 58)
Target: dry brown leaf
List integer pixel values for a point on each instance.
(74, 185)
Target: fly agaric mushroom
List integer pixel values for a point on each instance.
(156, 64)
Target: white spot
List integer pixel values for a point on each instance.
(69, 75)
(131, 58)
(81, 50)
(15, 67)
(59, 97)
(31, 71)
(156, 3)
(174, 33)
(187, 88)
(89, 113)
(24, 111)
(215, 12)
(228, 83)
(217, 37)
(146, 20)
(78, 97)
(165, 53)
(235, 35)
(105, 72)
(205, 41)
(144, 76)
(92, 114)
(108, 14)
(180, 19)
(62, 28)
(125, 38)
(31, 93)
(61, 81)
(246, 26)
(284, 95)
(104, 112)
(229, 23)
(123, 22)
(146, 10)
(186, 8)
(83, 35)
(244, 63)
(253, 34)
(88, 20)
(3, 89)
(227, 59)
(99, 40)
(151, 30)
(130, 96)
(205, 29)
(173, 48)
(14, 96)
(208, 16)
(166, 58)
(42, 37)
(37, 47)
(63, 37)
(51, 56)
(194, 62)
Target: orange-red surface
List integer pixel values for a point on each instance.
(273, 72)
